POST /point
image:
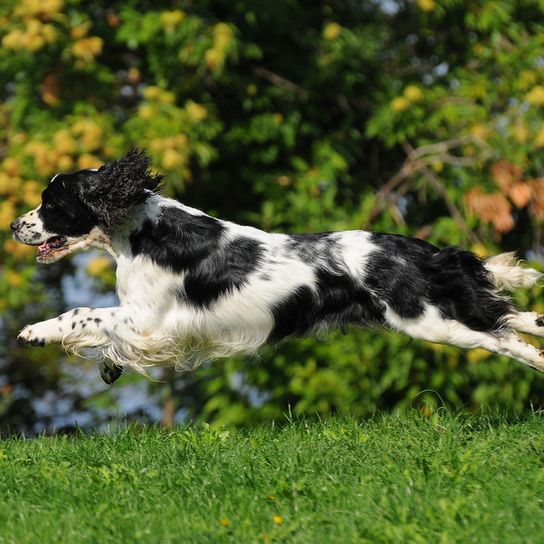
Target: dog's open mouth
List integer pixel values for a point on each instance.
(52, 245)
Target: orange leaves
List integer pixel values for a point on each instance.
(491, 208)
(496, 207)
(537, 197)
(505, 173)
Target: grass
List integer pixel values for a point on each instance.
(410, 478)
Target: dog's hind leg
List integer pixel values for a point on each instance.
(434, 328)
(529, 322)
(506, 273)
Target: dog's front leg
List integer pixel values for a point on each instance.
(83, 326)
(122, 335)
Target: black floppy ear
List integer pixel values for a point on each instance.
(115, 188)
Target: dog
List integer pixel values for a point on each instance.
(193, 288)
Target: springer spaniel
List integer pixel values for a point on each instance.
(192, 287)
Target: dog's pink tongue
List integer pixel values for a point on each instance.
(43, 248)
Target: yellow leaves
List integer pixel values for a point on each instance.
(222, 39)
(13, 278)
(535, 96)
(214, 59)
(426, 5)
(222, 36)
(80, 31)
(33, 38)
(158, 95)
(195, 112)
(520, 132)
(332, 31)
(7, 214)
(98, 266)
(170, 19)
(90, 134)
(8, 184)
(413, 93)
(42, 8)
(526, 78)
(86, 49)
(64, 142)
(32, 193)
(146, 111)
(400, 103)
(410, 95)
(172, 159)
(174, 150)
(88, 161)
(480, 131)
(480, 250)
(11, 166)
(477, 355)
(18, 250)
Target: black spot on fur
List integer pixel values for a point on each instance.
(407, 273)
(97, 320)
(337, 300)
(309, 246)
(182, 241)
(540, 321)
(62, 212)
(73, 325)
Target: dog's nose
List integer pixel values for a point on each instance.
(14, 225)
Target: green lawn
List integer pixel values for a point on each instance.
(393, 479)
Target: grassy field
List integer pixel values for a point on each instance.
(401, 479)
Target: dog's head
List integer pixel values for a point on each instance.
(79, 208)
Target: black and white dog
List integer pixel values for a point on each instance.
(193, 287)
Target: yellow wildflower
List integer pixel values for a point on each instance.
(277, 520)
(224, 522)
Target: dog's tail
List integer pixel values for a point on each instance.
(507, 274)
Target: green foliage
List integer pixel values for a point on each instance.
(440, 478)
(427, 121)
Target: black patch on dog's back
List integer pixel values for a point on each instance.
(336, 299)
(407, 273)
(191, 243)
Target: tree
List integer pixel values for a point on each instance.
(424, 118)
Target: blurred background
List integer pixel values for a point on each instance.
(420, 117)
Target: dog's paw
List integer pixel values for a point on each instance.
(30, 335)
(110, 373)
